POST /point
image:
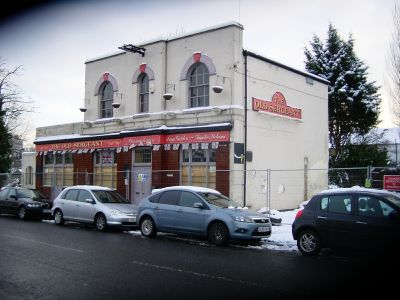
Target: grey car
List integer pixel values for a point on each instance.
(200, 211)
(94, 204)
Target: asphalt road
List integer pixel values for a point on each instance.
(39, 260)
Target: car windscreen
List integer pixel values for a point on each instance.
(109, 197)
(25, 193)
(219, 200)
(394, 199)
(38, 194)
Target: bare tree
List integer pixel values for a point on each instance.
(394, 67)
(12, 104)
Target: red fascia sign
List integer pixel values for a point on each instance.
(148, 140)
(277, 106)
(391, 182)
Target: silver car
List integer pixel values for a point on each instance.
(94, 204)
(200, 211)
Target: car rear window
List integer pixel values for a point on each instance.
(169, 197)
(154, 198)
(336, 204)
(71, 195)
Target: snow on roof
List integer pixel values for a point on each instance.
(357, 189)
(197, 189)
(162, 127)
(92, 187)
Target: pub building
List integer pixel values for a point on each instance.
(195, 109)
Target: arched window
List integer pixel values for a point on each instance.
(199, 86)
(143, 93)
(106, 109)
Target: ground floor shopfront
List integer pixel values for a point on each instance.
(136, 162)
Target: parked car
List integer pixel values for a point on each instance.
(24, 203)
(349, 218)
(98, 205)
(200, 211)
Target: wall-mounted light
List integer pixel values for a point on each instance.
(168, 96)
(116, 104)
(83, 109)
(217, 89)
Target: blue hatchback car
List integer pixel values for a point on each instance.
(200, 211)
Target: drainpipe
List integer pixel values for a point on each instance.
(245, 129)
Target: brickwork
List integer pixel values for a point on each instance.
(124, 163)
(222, 165)
(171, 162)
(156, 165)
(39, 173)
(82, 163)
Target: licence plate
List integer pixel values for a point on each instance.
(47, 210)
(263, 229)
(132, 220)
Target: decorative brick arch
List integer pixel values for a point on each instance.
(198, 57)
(143, 68)
(106, 77)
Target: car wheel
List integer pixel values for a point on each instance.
(218, 234)
(22, 215)
(100, 222)
(58, 217)
(309, 242)
(147, 227)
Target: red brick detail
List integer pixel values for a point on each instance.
(165, 168)
(83, 164)
(46, 190)
(171, 163)
(222, 165)
(156, 166)
(39, 173)
(124, 163)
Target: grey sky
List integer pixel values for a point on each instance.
(53, 42)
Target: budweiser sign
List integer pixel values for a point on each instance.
(277, 106)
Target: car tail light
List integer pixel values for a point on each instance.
(299, 213)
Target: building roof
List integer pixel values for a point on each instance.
(172, 38)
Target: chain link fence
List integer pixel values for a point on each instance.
(278, 189)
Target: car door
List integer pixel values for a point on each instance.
(84, 211)
(166, 211)
(189, 218)
(374, 224)
(68, 203)
(336, 219)
(12, 201)
(3, 197)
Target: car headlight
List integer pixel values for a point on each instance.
(242, 219)
(115, 212)
(33, 205)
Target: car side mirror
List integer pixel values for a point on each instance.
(13, 197)
(91, 201)
(198, 205)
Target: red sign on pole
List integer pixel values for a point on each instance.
(391, 182)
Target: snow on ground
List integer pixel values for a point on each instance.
(281, 238)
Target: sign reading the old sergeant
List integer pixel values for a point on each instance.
(277, 106)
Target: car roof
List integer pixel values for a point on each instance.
(90, 187)
(191, 188)
(357, 189)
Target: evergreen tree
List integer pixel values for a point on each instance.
(353, 101)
